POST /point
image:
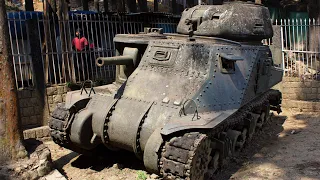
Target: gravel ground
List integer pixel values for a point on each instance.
(288, 147)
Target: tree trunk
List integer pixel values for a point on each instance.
(85, 5)
(131, 6)
(63, 18)
(155, 5)
(190, 3)
(29, 5)
(117, 6)
(96, 5)
(174, 6)
(10, 133)
(314, 13)
(106, 5)
(143, 6)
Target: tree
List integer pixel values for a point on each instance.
(11, 146)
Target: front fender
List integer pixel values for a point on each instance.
(206, 121)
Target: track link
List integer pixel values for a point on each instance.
(59, 123)
(175, 160)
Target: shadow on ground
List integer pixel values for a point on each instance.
(105, 159)
(266, 136)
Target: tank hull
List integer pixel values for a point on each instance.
(183, 100)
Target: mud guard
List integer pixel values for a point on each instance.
(150, 155)
(204, 122)
(76, 99)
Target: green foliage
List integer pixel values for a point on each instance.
(142, 175)
(12, 7)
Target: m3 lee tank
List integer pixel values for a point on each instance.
(187, 100)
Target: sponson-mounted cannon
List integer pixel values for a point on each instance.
(188, 100)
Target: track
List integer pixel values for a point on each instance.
(184, 156)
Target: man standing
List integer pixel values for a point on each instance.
(80, 44)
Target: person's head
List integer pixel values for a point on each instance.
(78, 32)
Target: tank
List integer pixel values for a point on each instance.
(186, 101)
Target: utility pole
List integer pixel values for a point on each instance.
(11, 146)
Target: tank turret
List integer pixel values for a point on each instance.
(237, 20)
(188, 100)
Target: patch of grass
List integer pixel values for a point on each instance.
(142, 175)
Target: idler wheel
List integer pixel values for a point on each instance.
(200, 158)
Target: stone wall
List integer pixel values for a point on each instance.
(55, 95)
(31, 110)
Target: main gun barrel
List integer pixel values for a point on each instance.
(128, 58)
(116, 60)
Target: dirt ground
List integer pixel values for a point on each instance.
(288, 147)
